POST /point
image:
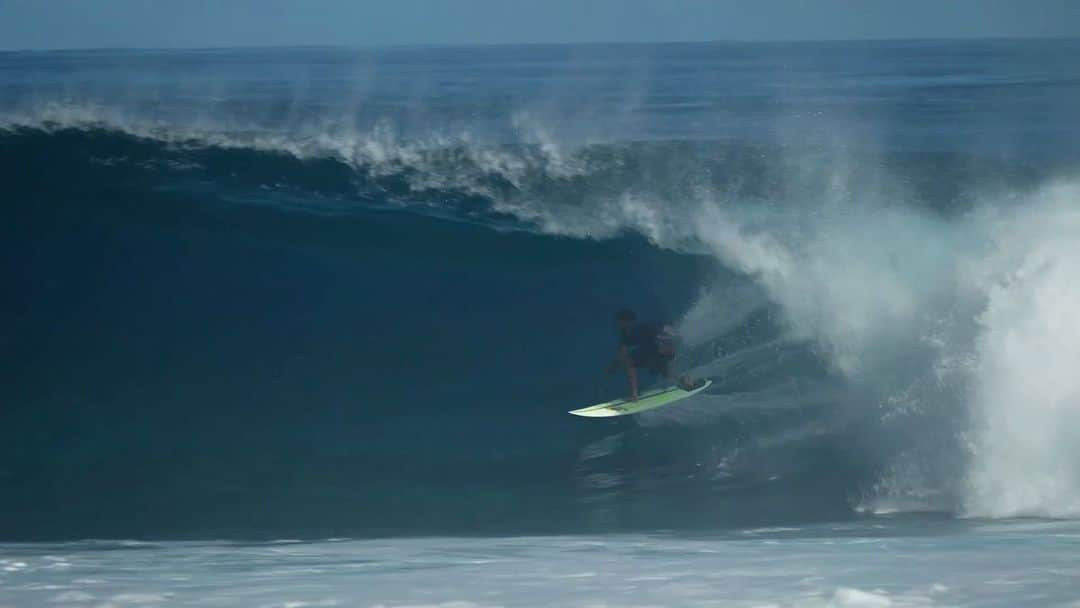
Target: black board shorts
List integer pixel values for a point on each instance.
(652, 360)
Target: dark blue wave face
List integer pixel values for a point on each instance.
(183, 366)
(323, 292)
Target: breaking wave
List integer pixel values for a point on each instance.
(887, 331)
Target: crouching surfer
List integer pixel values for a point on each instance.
(648, 346)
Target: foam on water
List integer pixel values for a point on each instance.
(898, 564)
(1026, 458)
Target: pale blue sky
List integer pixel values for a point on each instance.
(50, 24)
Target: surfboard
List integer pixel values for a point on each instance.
(645, 401)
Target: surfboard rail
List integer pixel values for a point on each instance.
(646, 401)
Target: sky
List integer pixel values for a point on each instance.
(76, 24)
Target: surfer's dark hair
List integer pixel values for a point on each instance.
(625, 314)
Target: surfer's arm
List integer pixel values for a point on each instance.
(622, 356)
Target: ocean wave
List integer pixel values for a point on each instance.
(926, 301)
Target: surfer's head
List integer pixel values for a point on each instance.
(625, 317)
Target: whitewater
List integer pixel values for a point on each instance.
(345, 297)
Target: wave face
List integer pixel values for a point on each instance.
(327, 292)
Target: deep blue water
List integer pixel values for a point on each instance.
(324, 292)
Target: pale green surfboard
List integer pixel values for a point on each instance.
(645, 401)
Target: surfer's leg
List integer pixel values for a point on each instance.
(631, 373)
(663, 365)
(684, 381)
(633, 362)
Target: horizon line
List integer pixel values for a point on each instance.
(414, 45)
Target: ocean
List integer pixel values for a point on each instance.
(301, 326)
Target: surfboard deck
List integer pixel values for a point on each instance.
(645, 401)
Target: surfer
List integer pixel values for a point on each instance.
(649, 346)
